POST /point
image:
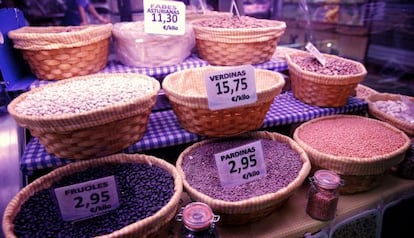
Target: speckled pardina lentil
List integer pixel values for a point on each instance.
(234, 22)
(351, 137)
(143, 190)
(78, 96)
(361, 227)
(282, 162)
(333, 66)
(398, 109)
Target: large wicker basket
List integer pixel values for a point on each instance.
(406, 126)
(323, 90)
(358, 174)
(187, 94)
(94, 133)
(147, 227)
(255, 208)
(237, 46)
(57, 52)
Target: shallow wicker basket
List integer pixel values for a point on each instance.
(320, 89)
(363, 91)
(147, 227)
(58, 52)
(358, 174)
(237, 46)
(94, 133)
(255, 208)
(187, 94)
(383, 116)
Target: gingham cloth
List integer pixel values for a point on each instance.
(193, 61)
(165, 131)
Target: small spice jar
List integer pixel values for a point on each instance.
(323, 195)
(198, 221)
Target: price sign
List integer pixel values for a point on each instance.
(316, 53)
(241, 165)
(87, 199)
(164, 17)
(232, 87)
(1, 38)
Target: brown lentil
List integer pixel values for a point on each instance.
(282, 162)
(333, 66)
(234, 22)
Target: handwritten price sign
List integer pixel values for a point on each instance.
(87, 199)
(164, 17)
(232, 87)
(241, 164)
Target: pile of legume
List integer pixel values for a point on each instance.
(364, 226)
(403, 110)
(282, 162)
(79, 96)
(333, 66)
(234, 22)
(143, 190)
(351, 137)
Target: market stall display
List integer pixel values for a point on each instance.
(237, 40)
(57, 52)
(361, 150)
(149, 193)
(88, 116)
(187, 93)
(328, 85)
(136, 48)
(287, 168)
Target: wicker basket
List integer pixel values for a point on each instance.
(94, 133)
(252, 209)
(237, 46)
(187, 94)
(363, 91)
(57, 52)
(383, 116)
(320, 89)
(147, 227)
(358, 174)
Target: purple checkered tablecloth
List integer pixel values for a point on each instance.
(165, 131)
(193, 61)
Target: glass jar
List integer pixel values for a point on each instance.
(323, 195)
(198, 221)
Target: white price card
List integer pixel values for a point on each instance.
(316, 53)
(231, 87)
(241, 165)
(87, 199)
(164, 17)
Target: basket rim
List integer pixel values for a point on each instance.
(254, 203)
(201, 101)
(55, 37)
(379, 114)
(355, 78)
(45, 181)
(347, 161)
(90, 118)
(278, 25)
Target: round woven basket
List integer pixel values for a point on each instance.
(358, 174)
(255, 208)
(57, 52)
(187, 94)
(320, 89)
(147, 227)
(94, 133)
(405, 126)
(237, 46)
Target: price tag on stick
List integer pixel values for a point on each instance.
(316, 53)
(231, 87)
(241, 164)
(87, 199)
(164, 17)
